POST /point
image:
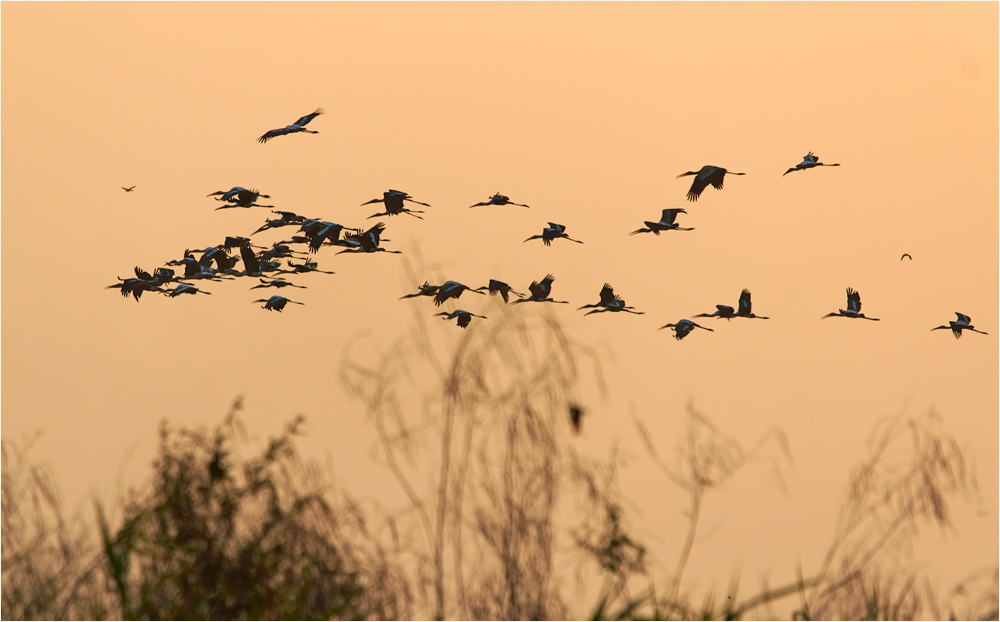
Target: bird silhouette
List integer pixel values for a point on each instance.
(905, 255)
(499, 288)
(540, 292)
(498, 199)
(708, 174)
(393, 200)
(129, 189)
(425, 290)
(463, 317)
(853, 308)
(276, 303)
(609, 302)
(666, 223)
(452, 289)
(963, 323)
(298, 126)
(808, 161)
(683, 327)
(552, 232)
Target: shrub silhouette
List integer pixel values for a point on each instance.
(220, 537)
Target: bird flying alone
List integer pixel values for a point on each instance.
(808, 161)
(298, 126)
(963, 323)
(708, 174)
(905, 255)
(498, 199)
(129, 189)
(853, 308)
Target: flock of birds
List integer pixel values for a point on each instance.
(217, 263)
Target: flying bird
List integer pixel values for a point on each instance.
(302, 268)
(499, 287)
(129, 189)
(609, 302)
(853, 308)
(905, 255)
(746, 306)
(666, 223)
(393, 200)
(276, 303)
(722, 311)
(713, 175)
(279, 283)
(184, 288)
(425, 290)
(463, 317)
(239, 197)
(808, 161)
(963, 323)
(298, 126)
(367, 242)
(683, 327)
(451, 289)
(498, 199)
(540, 292)
(552, 232)
(287, 218)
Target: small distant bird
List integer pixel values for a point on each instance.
(853, 308)
(713, 175)
(129, 189)
(809, 161)
(609, 302)
(298, 126)
(498, 199)
(451, 289)
(184, 288)
(393, 200)
(425, 290)
(463, 317)
(963, 323)
(666, 223)
(746, 306)
(552, 232)
(683, 327)
(276, 303)
(499, 287)
(905, 255)
(540, 292)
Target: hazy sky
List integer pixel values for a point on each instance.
(586, 112)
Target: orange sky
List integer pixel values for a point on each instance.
(586, 112)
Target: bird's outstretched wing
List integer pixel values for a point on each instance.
(272, 133)
(309, 117)
(853, 300)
